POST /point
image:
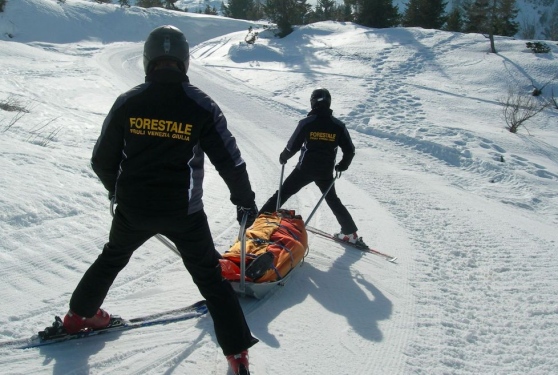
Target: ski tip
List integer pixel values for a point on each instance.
(392, 260)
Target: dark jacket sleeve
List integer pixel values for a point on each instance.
(220, 146)
(239, 185)
(107, 153)
(295, 142)
(348, 148)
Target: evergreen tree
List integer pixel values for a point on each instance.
(210, 10)
(149, 3)
(325, 10)
(376, 13)
(286, 13)
(504, 20)
(491, 17)
(495, 17)
(479, 19)
(428, 14)
(345, 11)
(239, 9)
(476, 16)
(454, 21)
(256, 12)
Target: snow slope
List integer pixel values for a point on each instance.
(474, 290)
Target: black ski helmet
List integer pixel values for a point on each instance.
(320, 98)
(166, 43)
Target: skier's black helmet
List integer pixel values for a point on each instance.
(166, 43)
(320, 98)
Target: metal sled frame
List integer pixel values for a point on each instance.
(260, 290)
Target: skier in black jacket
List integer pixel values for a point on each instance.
(317, 137)
(150, 158)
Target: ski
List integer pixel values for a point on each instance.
(364, 248)
(55, 333)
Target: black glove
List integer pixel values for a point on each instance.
(111, 195)
(341, 168)
(283, 157)
(252, 214)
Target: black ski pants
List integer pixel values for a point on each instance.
(299, 179)
(192, 237)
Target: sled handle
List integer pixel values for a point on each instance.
(279, 190)
(165, 242)
(242, 237)
(337, 175)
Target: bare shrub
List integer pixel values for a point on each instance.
(518, 108)
(42, 135)
(12, 104)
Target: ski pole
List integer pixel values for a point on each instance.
(242, 237)
(279, 191)
(337, 175)
(165, 242)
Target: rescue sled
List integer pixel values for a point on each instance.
(266, 254)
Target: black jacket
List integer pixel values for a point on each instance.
(152, 144)
(318, 137)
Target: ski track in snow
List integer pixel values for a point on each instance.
(475, 272)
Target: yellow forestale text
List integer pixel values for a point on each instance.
(139, 123)
(321, 136)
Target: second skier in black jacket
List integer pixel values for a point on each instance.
(318, 137)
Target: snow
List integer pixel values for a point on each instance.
(469, 209)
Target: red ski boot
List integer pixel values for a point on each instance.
(351, 238)
(239, 363)
(73, 323)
